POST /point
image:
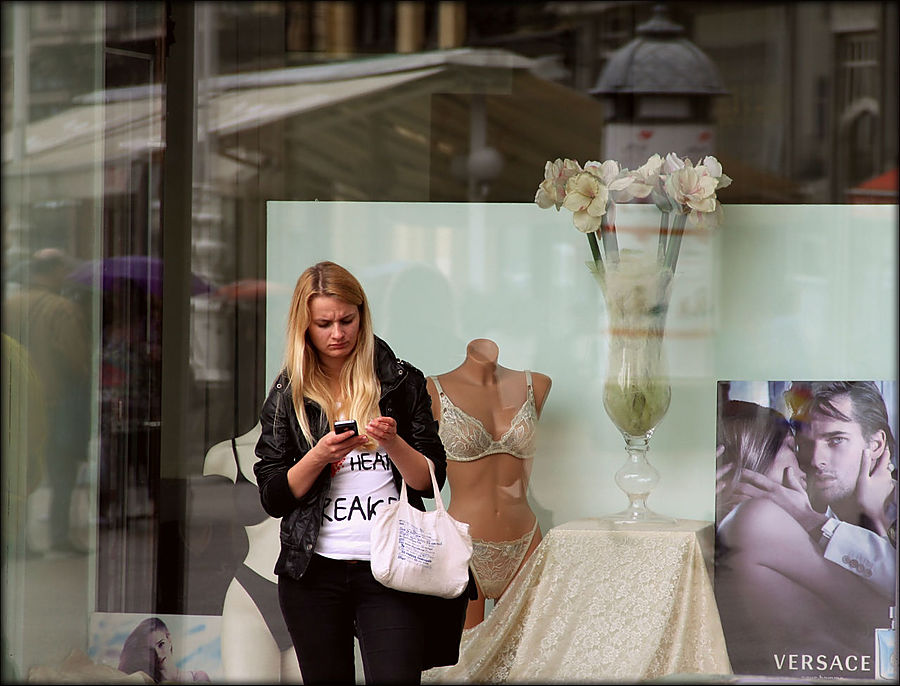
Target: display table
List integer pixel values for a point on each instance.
(600, 602)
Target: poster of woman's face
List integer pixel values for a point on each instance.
(806, 527)
(167, 648)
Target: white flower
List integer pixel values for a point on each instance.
(691, 187)
(673, 163)
(615, 179)
(586, 197)
(714, 167)
(694, 191)
(643, 180)
(552, 190)
(673, 183)
(660, 195)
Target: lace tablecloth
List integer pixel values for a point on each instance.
(596, 602)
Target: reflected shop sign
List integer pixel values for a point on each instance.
(633, 143)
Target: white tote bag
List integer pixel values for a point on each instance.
(421, 552)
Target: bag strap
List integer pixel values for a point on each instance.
(438, 503)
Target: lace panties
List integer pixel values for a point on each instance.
(495, 563)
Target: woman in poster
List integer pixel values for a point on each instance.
(149, 649)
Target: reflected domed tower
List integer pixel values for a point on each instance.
(658, 91)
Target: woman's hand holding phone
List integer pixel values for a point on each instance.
(333, 447)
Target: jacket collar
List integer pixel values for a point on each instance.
(388, 367)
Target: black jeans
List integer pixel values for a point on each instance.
(335, 599)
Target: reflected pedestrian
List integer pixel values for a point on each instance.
(54, 331)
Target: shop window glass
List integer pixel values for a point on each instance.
(400, 106)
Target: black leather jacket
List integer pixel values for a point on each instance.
(281, 445)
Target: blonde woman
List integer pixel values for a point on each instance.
(328, 487)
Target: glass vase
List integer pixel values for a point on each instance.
(636, 388)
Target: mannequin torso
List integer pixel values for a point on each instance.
(489, 491)
(251, 618)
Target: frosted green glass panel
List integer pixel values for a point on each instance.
(808, 291)
(777, 292)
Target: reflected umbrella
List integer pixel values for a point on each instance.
(142, 270)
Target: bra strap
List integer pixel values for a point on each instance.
(437, 384)
(528, 379)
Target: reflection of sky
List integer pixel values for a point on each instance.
(196, 639)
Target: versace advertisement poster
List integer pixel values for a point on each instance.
(806, 527)
(166, 648)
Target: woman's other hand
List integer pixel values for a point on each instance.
(789, 495)
(411, 463)
(874, 486)
(383, 430)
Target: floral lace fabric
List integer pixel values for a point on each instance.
(594, 604)
(495, 562)
(466, 439)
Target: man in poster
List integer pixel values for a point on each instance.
(806, 558)
(846, 484)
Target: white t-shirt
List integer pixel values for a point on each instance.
(362, 484)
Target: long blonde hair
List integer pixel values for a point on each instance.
(358, 382)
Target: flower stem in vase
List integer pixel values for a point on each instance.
(595, 249)
(674, 245)
(596, 267)
(663, 236)
(608, 234)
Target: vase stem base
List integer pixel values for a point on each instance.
(638, 516)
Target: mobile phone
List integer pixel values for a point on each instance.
(345, 425)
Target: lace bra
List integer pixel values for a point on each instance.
(465, 439)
